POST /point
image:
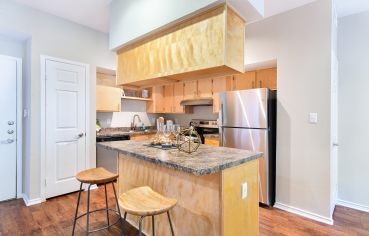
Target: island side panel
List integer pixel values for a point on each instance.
(198, 211)
(240, 216)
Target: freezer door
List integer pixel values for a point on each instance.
(253, 140)
(244, 108)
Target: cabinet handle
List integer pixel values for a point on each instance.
(260, 84)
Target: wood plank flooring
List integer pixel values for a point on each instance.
(55, 217)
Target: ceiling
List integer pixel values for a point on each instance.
(95, 13)
(90, 13)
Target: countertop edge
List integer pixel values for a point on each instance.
(182, 168)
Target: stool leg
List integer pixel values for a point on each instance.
(140, 226)
(153, 225)
(170, 223)
(107, 206)
(75, 215)
(117, 204)
(124, 222)
(88, 210)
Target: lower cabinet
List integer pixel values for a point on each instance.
(108, 99)
(142, 137)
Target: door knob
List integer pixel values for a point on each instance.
(8, 141)
(10, 131)
(80, 135)
(10, 122)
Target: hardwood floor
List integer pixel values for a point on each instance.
(55, 217)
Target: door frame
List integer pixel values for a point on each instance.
(43, 59)
(19, 115)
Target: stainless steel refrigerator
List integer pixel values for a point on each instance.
(247, 120)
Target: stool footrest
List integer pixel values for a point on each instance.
(103, 209)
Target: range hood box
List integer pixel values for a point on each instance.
(197, 102)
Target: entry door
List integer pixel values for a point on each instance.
(65, 126)
(8, 128)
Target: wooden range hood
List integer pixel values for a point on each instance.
(209, 44)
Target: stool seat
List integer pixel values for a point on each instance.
(143, 201)
(96, 176)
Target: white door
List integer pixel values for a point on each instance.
(8, 128)
(65, 126)
(334, 132)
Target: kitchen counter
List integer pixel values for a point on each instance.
(207, 185)
(206, 160)
(123, 131)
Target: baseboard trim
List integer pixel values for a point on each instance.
(353, 205)
(30, 202)
(304, 213)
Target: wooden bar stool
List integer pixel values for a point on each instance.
(143, 201)
(91, 177)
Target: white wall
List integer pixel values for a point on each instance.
(199, 112)
(300, 40)
(124, 118)
(131, 19)
(353, 162)
(55, 37)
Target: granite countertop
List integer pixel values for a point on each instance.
(123, 131)
(206, 160)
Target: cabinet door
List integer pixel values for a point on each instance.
(205, 88)
(220, 84)
(267, 78)
(190, 89)
(168, 98)
(108, 99)
(178, 97)
(244, 81)
(157, 103)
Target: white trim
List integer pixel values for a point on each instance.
(304, 213)
(19, 123)
(30, 202)
(353, 205)
(43, 59)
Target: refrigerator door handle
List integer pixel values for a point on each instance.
(220, 124)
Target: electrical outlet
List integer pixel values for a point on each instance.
(244, 190)
(313, 118)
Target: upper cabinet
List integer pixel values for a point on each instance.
(108, 99)
(267, 78)
(244, 81)
(263, 78)
(208, 44)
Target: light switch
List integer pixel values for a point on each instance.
(313, 118)
(244, 191)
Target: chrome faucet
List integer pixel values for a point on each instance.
(133, 124)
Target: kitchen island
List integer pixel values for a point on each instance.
(207, 185)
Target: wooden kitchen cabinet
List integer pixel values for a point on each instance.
(142, 137)
(108, 99)
(244, 81)
(267, 78)
(178, 96)
(220, 84)
(157, 104)
(205, 88)
(190, 89)
(168, 98)
(209, 43)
